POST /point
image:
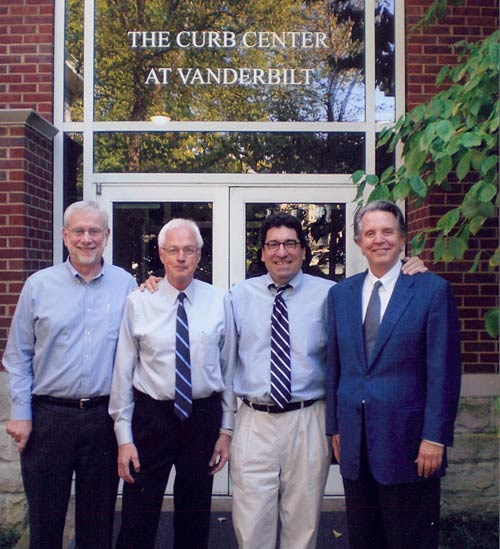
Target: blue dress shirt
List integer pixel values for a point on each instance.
(252, 304)
(63, 335)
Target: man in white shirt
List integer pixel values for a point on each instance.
(152, 425)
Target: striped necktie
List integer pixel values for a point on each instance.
(183, 393)
(280, 351)
(372, 320)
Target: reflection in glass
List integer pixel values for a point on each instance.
(73, 168)
(73, 61)
(346, 61)
(385, 103)
(226, 60)
(218, 152)
(383, 158)
(324, 226)
(135, 229)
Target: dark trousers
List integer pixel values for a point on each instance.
(394, 516)
(162, 440)
(66, 440)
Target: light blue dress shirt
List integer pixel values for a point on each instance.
(252, 304)
(145, 357)
(63, 335)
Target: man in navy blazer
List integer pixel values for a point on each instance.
(391, 413)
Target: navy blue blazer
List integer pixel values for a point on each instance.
(411, 384)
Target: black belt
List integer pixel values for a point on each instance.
(139, 395)
(82, 403)
(273, 409)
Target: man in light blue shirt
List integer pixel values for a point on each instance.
(280, 457)
(59, 358)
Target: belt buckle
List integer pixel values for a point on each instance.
(83, 402)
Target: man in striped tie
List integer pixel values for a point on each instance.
(171, 373)
(280, 455)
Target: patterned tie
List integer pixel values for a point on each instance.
(372, 320)
(183, 393)
(280, 351)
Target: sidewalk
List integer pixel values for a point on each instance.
(332, 528)
(222, 533)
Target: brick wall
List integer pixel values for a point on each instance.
(26, 173)
(427, 51)
(26, 56)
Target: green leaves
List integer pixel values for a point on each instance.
(448, 221)
(418, 243)
(491, 320)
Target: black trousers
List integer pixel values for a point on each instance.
(66, 440)
(162, 440)
(394, 516)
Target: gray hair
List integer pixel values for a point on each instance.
(85, 205)
(378, 205)
(177, 223)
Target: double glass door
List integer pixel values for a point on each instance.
(229, 218)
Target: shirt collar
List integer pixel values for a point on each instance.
(389, 277)
(293, 283)
(75, 274)
(173, 293)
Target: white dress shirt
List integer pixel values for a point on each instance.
(145, 356)
(385, 291)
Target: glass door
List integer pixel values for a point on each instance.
(137, 213)
(326, 214)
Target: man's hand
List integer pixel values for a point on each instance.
(413, 265)
(429, 459)
(151, 284)
(20, 431)
(127, 454)
(220, 455)
(336, 447)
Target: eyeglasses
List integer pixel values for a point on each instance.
(274, 245)
(79, 232)
(188, 251)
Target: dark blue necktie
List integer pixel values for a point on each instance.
(280, 351)
(372, 320)
(183, 393)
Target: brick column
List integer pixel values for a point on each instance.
(26, 205)
(426, 52)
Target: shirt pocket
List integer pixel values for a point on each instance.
(209, 347)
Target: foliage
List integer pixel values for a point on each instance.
(448, 144)
(436, 10)
(8, 537)
(468, 532)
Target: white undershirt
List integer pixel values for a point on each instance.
(385, 291)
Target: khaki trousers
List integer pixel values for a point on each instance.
(279, 464)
